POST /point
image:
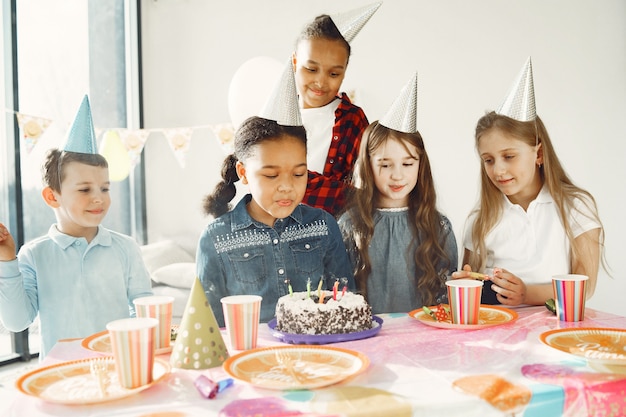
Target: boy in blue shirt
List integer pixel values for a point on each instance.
(80, 276)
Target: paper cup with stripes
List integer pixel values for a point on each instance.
(241, 315)
(132, 342)
(569, 296)
(157, 307)
(464, 298)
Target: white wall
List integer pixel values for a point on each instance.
(467, 54)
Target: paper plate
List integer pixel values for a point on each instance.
(322, 339)
(72, 382)
(488, 316)
(295, 367)
(101, 343)
(601, 345)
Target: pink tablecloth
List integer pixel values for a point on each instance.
(415, 370)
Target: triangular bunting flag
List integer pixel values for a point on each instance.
(225, 134)
(32, 128)
(134, 141)
(179, 140)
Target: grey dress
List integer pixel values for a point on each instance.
(392, 286)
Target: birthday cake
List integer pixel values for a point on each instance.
(302, 313)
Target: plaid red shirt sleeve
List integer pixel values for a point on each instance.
(327, 190)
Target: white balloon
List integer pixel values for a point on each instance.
(250, 87)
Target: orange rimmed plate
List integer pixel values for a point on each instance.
(596, 344)
(72, 383)
(101, 343)
(488, 316)
(295, 367)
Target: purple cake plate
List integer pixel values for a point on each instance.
(322, 339)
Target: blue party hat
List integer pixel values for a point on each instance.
(82, 136)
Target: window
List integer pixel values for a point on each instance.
(57, 52)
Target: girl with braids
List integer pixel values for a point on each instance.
(401, 247)
(269, 242)
(531, 221)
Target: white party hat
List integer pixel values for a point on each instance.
(351, 22)
(519, 103)
(82, 136)
(282, 105)
(402, 115)
(199, 343)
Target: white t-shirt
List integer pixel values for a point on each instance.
(319, 122)
(532, 244)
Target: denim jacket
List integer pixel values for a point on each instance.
(238, 255)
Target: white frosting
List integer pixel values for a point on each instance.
(301, 302)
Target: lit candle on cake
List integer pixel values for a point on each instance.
(345, 286)
(288, 282)
(335, 286)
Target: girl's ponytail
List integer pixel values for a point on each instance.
(217, 203)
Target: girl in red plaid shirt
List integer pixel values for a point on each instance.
(334, 125)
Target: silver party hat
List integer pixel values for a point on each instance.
(402, 115)
(519, 103)
(82, 136)
(282, 105)
(350, 23)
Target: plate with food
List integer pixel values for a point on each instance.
(101, 342)
(295, 367)
(439, 316)
(322, 339)
(596, 344)
(74, 383)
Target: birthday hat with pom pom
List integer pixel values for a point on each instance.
(350, 23)
(402, 115)
(282, 105)
(82, 136)
(199, 343)
(519, 103)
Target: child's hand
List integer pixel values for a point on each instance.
(466, 273)
(510, 289)
(7, 244)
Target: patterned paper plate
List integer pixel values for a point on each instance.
(322, 339)
(601, 345)
(488, 316)
(101, 343)
(72, 382)
(295, 367)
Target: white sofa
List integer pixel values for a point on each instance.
(172, 266)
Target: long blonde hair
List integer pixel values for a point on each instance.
(426, 222)
(553, 176)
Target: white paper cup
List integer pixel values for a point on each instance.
(158, 307)
(132, 342)
(241, 315)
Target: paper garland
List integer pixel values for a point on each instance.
(33, 129)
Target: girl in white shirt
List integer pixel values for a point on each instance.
(531, 221)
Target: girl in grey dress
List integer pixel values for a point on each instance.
(401, 247)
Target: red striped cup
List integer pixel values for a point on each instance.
(464, 298)
(132, 343)
(570, 296)
(241, 315)
(158, 307)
